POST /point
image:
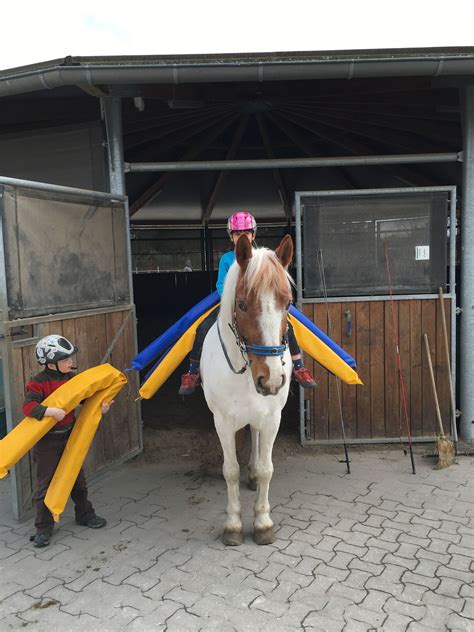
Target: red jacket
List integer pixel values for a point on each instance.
(38, 388)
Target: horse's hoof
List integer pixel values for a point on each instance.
(264, 536)
(252, 484)
(232, 538)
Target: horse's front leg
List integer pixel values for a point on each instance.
(233, 530)
(252, 467)
(263, 526)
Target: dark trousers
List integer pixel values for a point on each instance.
(46, 456)
(207, 323)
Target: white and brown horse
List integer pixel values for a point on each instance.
(246, 371)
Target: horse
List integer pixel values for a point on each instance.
(246, 371)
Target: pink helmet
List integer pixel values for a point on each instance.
(241, 221)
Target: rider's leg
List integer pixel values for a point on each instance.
(190, 380)
(302, 375)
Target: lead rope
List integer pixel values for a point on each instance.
(244, 368)
(338, 387)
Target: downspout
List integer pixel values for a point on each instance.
(466, 372)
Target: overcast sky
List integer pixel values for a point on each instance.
(34, 31)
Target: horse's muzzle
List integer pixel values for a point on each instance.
(268, 389)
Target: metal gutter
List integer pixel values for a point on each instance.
(73, 71)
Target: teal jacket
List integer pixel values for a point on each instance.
(224, 264)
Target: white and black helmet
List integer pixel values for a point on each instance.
(51, 349)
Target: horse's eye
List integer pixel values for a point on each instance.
(242, 306)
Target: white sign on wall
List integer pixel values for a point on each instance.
(422, 253)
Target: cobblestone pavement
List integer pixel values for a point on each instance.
(381, 549)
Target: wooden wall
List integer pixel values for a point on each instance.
(373, 411)
(119, 432)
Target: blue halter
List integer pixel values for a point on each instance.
(266, 351)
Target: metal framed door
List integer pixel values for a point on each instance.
(65, 267)
(371, 412)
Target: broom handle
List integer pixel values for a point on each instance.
(433, 384)
(448, 362)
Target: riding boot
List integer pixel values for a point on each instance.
(189, 381)
(304, 377)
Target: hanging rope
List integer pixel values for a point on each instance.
(400, 371)
(338, 387)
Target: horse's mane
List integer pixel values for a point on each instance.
(264, 273)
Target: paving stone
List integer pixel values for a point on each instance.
(320, 622)
(412, 611)
(356, 595)
(396, 622)
(372, 618)
(374, 555)
(372, 569)
(356, 579)
(435, 617)
(459, 623)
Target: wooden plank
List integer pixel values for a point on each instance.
(362, 334)
(96, 341)
(321, 392)
(348, 343)
(392, 402)
(428, 326)
(131, 389)
(69, 330)
(405, 359)
(309, 363)
(377, 368)
(117, 419)
(416, 383)
(441, 368)
(81, 340)
(335, 391)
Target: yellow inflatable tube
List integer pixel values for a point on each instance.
(77, 447)
(29, 431)
(173, 359)
(322, 353)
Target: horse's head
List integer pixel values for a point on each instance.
(262, 298)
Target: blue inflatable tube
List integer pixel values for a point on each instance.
(322, 336)
(159, 346)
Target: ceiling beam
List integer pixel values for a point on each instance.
(152, 191)
(300, 141)
(277, 177)
(231, 153)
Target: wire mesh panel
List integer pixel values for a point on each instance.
(353, 233)
(63, 253)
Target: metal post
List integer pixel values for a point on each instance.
(466, 372)
(113, 124)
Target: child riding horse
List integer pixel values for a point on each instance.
(241, 223)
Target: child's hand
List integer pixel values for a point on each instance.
(106, 407)
(57, 413)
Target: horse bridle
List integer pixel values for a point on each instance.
(244, 347)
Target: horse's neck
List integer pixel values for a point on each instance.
(226, 312)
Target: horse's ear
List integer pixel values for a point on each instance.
(284, 252)
(243, 252)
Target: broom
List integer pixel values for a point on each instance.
(445, 446)
(448, 364)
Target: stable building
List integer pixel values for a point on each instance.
(116, 178)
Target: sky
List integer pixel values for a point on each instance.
(35, 31)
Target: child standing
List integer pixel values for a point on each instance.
(55, 354)
(240, 223)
